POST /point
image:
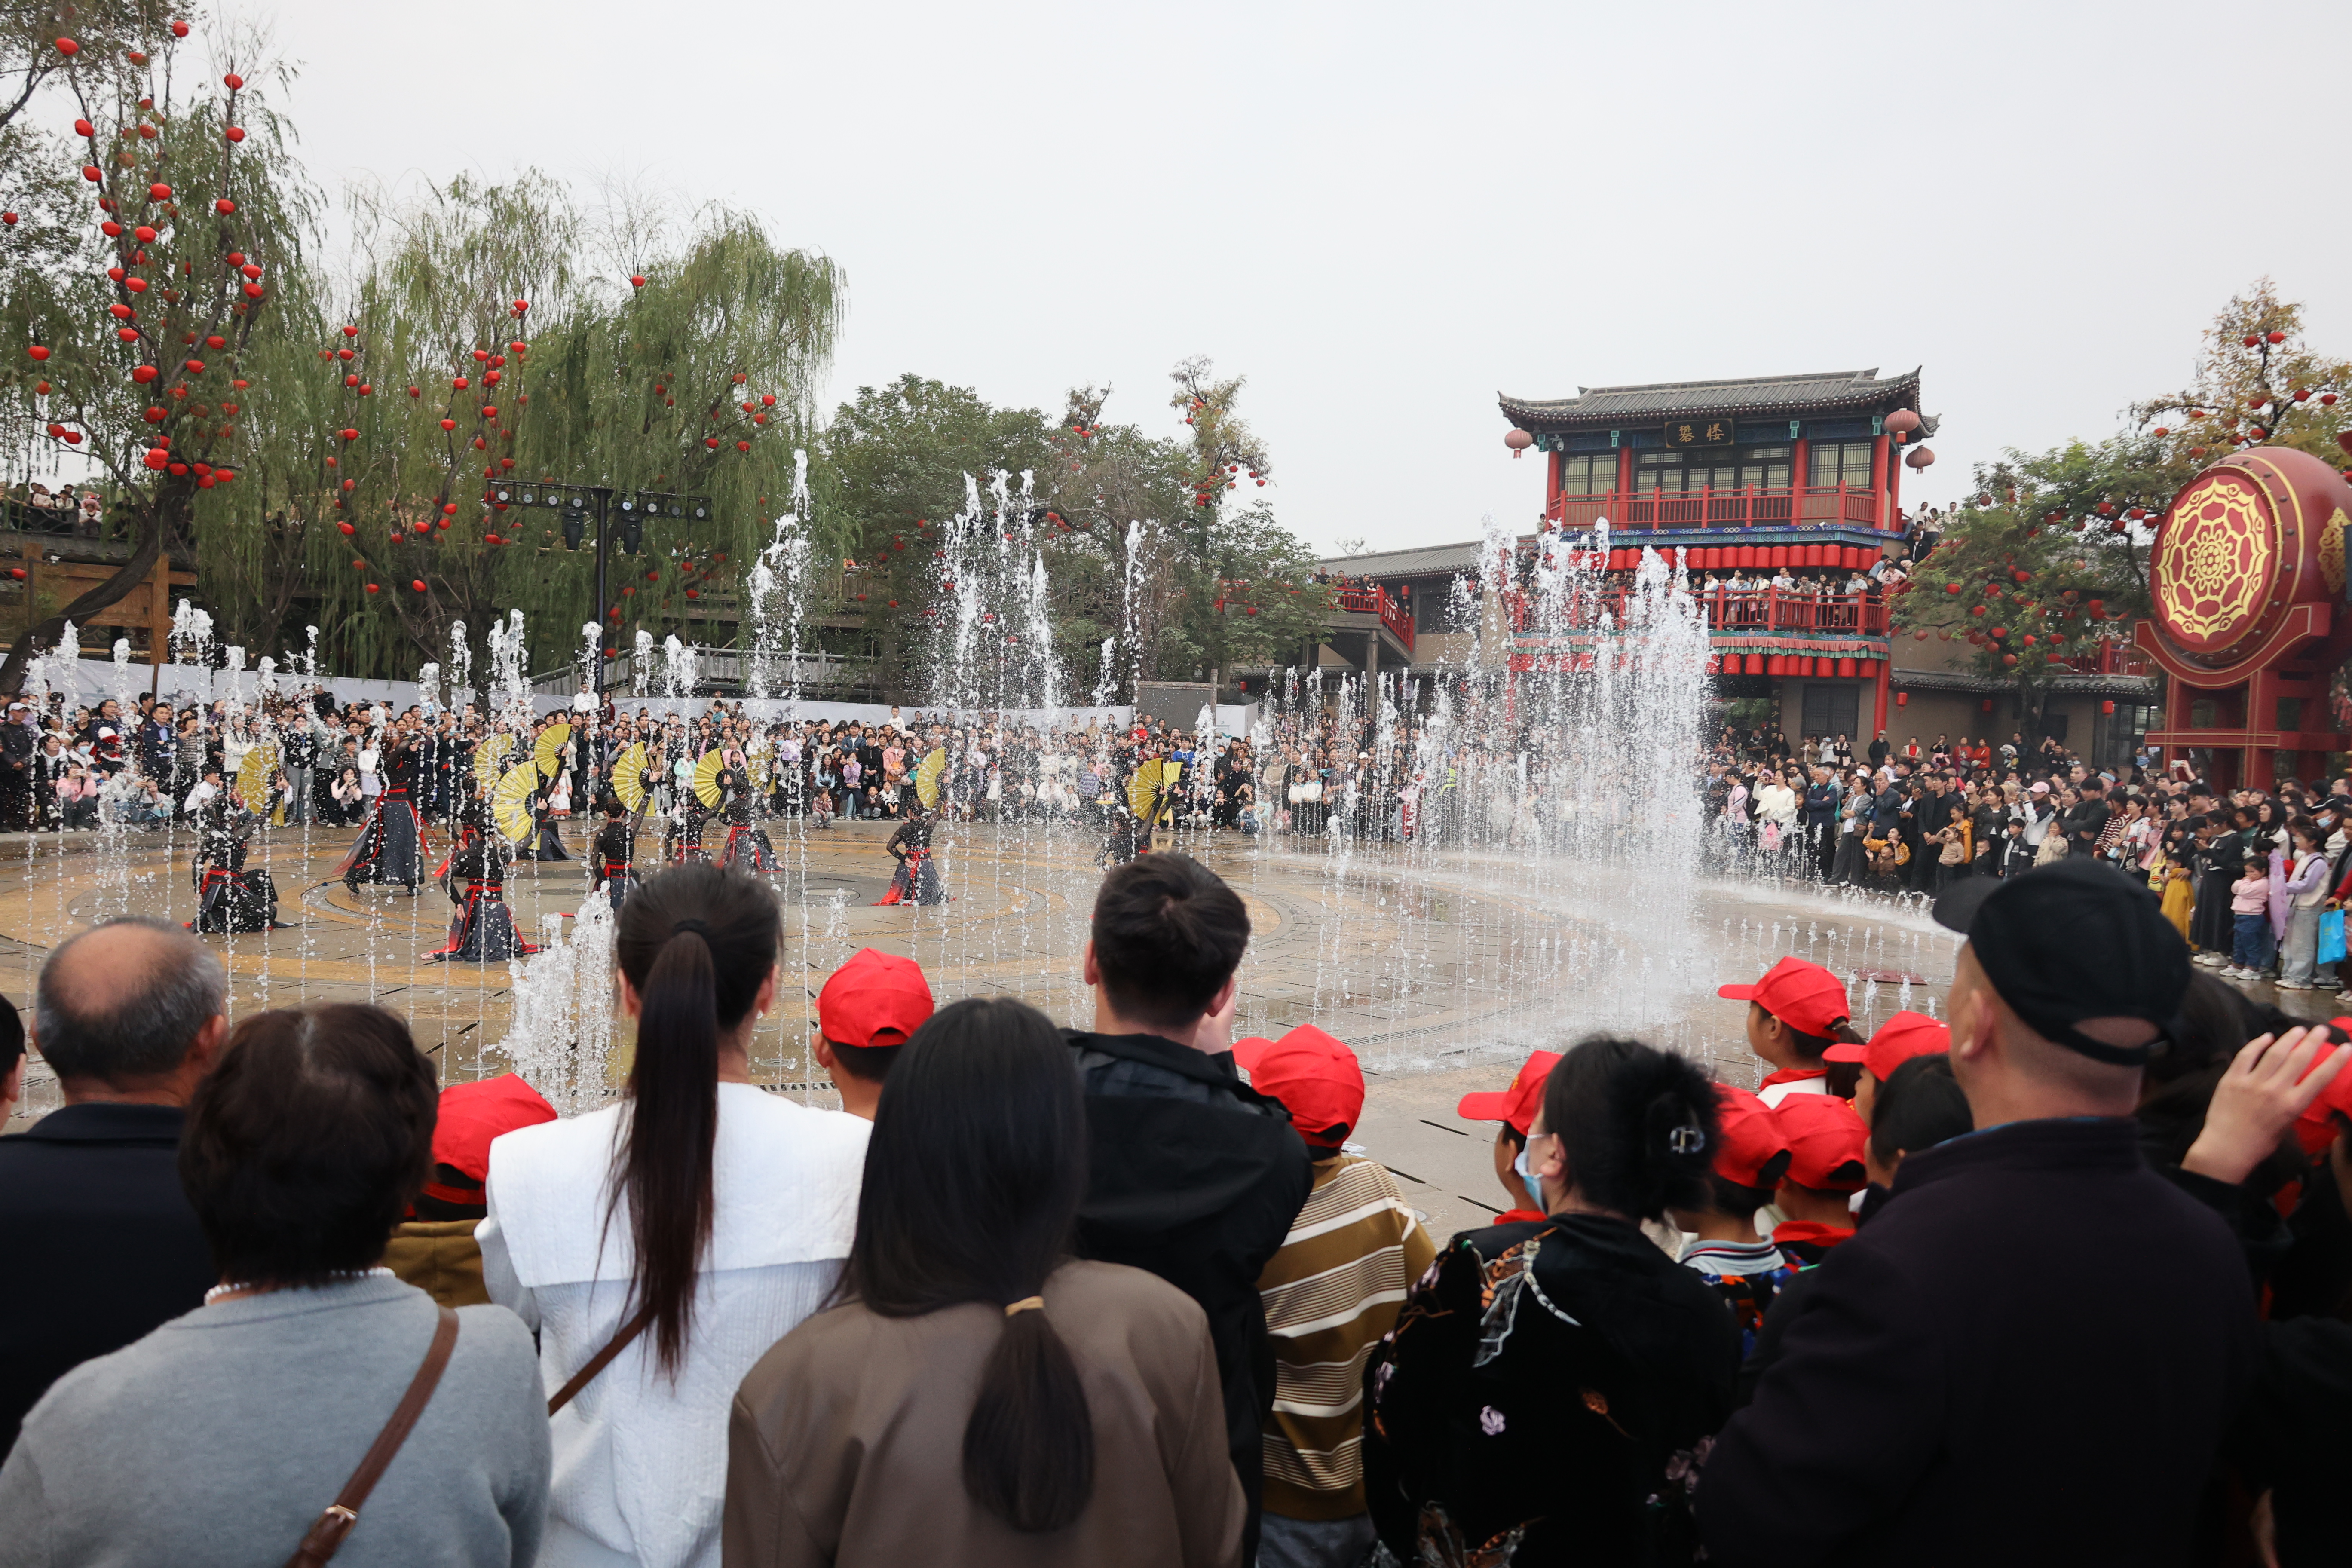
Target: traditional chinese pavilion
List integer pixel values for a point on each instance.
(1748, 478)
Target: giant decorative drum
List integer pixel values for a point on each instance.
(2244, 545)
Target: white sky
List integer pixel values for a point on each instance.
(1384, 213)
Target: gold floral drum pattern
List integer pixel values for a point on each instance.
(2215, 561)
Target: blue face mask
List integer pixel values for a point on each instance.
(1526, 1177)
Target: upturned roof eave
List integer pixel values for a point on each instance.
(1707, 400)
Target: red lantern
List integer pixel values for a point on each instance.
(1519, 441)
(1903, 699)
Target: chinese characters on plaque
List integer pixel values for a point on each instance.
(1699, 433)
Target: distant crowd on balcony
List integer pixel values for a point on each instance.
(1800, 580)
(35, 509)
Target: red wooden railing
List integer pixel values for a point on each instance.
(1745, 610)
(1372, 599)
(1750, 508)
(2116, 657)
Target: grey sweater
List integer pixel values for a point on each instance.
(219, 1437)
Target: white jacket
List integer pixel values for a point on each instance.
(641, 1460)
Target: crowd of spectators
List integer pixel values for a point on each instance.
(37, 508)
(1040, 1296)
(2255, 879)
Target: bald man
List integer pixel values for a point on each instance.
(100, 1244)
(2027, 1352)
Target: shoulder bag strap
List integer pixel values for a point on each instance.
(336, 1522)
(600, 1361)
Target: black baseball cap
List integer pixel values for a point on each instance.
(2074, 941)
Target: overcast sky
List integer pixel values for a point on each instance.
(1382, 214)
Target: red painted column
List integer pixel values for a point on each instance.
(1624, 472)
(1800, 478)
(1894, 486)
(1878, 478)
(1882, 683)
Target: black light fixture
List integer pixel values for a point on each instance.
(575, 528)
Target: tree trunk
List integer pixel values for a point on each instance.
(127, 576)
(2032, 705)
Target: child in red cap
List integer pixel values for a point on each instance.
(1825, 1170)
(1514, 1108)
(1901, 1038)
(1748, 1159)
(434, 1250)
(1330, 1293)
(1795, 1012)
(868, 1008)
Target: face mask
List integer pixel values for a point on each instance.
(1526, 1177)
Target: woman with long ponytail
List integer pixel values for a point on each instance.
(1552, 1385)
(661, 1244)
(977, 1396)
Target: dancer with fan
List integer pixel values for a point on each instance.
(390, 846)
(228, 897)
(682, 839)
(545, 843)
(747, 848)
(611, 861)
(483, 930)
(917, 880)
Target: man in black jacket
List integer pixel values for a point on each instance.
(2086, 819)
(102, 1246)
(1191, 1174)
(1969, 1380)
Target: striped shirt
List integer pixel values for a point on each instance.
(1330, 1293)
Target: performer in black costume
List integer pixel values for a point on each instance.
(545, 843)
(917, 880)
(228, 897)
(612, 859)
(391, 847)
(747, 847)
(682, 836)
(483, 930)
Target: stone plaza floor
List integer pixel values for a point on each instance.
(1441, 969)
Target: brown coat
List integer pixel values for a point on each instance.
(440, 1257)
(846, 1442)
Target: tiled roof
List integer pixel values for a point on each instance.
(1429, 559)
(1762, 396)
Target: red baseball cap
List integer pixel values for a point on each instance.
(1517, 1104)
(470, 1116)
(2315, 1129)
(1901, 1038)
(1750, 1147)
(1805, 996)
(1314, 1076)
(1826, 1143)
(876, 999)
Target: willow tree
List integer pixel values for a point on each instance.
(477, 354)
(134, 357)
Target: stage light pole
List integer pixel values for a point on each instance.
(578, 504)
